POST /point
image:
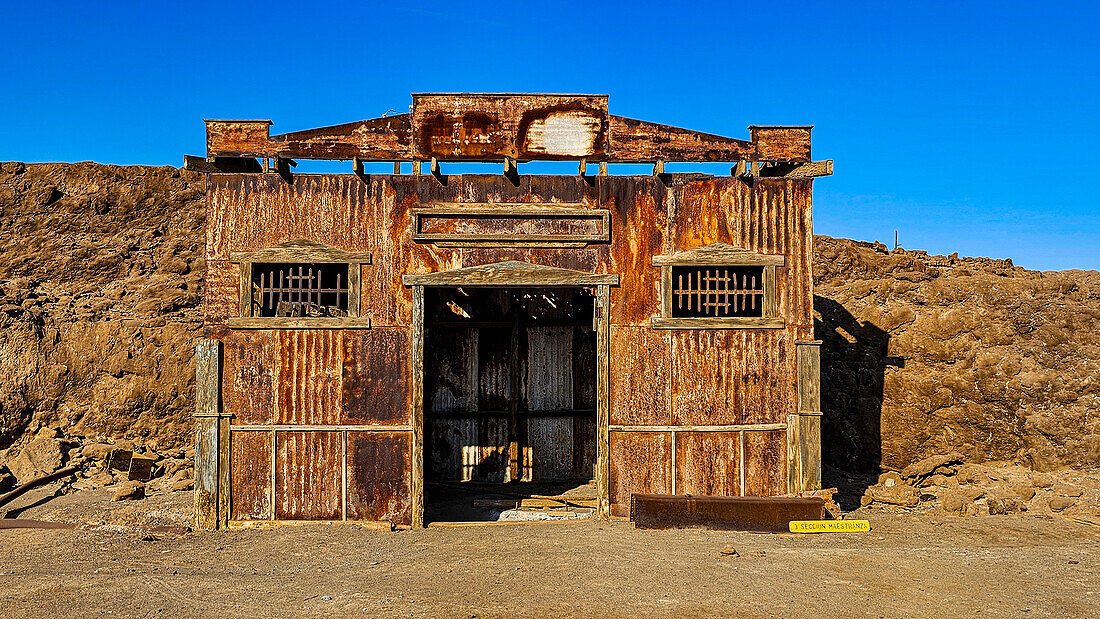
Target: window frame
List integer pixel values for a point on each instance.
(300, 251)
(719, 255)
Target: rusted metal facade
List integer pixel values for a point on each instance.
(341, 418)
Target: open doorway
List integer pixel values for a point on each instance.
(510, 403)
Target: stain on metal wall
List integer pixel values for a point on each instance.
(765, 462)
(378, 476)
(640, 463)
(248, 376)
(376, 376)
(309, 479)
(708, 463)
(250, 480)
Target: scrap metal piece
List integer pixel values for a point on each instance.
(749, 513)
(141, 468)
(34, 483)
(120, 459)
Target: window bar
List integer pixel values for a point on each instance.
(338, 289)
(280, 300)
(754, 294)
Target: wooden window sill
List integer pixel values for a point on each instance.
(717, 323)
(298, 323)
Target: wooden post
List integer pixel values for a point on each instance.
(603, 408)
(416, 485)
(207, 434)
(804, 428)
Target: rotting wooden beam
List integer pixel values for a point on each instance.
(416, 485)
(207, 440)
(603, 402)
(809, 169)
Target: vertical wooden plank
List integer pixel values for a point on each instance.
(245, 289)
(225, 489)
(603, 408)
(416, 481)
(809, 376)
(807, 426)
(810, 440)
(207, 443)
(794, 452)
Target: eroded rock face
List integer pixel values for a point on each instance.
(100, 280)
(925, 355)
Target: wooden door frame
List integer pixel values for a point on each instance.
(512, 275)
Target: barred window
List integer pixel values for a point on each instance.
(300, 290)
(717, 291)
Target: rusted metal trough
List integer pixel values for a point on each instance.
(366, 333)
(747, 513)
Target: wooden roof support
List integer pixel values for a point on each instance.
(506, 128)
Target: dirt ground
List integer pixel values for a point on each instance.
(907, 565)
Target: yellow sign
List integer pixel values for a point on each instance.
(829, 526)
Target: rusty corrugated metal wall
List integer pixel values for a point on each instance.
(276, 381)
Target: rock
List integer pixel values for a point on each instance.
(183, 474)
(102, 479)
(889, 479)
(1024, 490)
(954, 502)
(903, 495)
(1042, 480)
(124, 444)
(758, 554)
(183, 484)
(1068, 490)
(7, 480)
(972, 474)
(924, 468)
(129, 491)
(1060, 503)
(97, 451)
(972, 493)
(42, 456)
(1000, 505)
(728, 551)
(940, 480)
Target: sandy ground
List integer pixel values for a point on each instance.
(908, 565)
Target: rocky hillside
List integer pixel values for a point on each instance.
(101, 277)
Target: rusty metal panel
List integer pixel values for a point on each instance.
(708, 463)
(772, 514)
(221, 293)
(639, 140)
(379, 476)
(452, 448)
(309, 476)
(640, 463)
(376, 376)
(549, 368)
(386, 139)
(732, 377)
(494, 355)
(450, 369)
(550, 445)
(584, 367)
(492, 440)
(308, 376)
(640, 210)
(765, 462)
(250, 470)
(584, 447)
(640, 376)
(782, 143)
(232, 138)
(521, 126)
(248, 376)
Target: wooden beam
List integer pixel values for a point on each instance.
(207, 443)
(739, 322)
(306, 322)
(511, 273)
(809, 169)
(416, 484)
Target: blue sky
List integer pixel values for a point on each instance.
(968, 127)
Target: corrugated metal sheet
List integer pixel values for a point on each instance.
(765, 462)
(707, 463)
(379, 477)
(375, 387)
(308, 376)
(249, 361)
(640, 376)
(250, 475)
(308, 476)
(640, 462)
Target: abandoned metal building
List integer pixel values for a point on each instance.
(369, 334)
